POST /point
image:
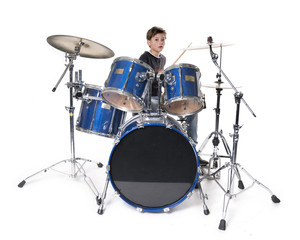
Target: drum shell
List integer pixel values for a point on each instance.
(97, 116)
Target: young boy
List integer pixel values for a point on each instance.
(156, 37)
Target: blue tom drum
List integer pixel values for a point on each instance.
(98, 117)
(182, 90)
(127, 84)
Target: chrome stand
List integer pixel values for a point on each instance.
(203, 197)
(215, 159)
(233, 166)
(76, 166)
(103, 195)
(233, 171)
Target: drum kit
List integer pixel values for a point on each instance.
(153, 165)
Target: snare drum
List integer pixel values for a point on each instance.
(127, 84)
(182, 90)
(153, 166)
(98, 117)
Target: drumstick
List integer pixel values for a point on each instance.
(181, 54)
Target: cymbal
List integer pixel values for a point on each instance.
(218, 85)
(214, 45)
(88, 48)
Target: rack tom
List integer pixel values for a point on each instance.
(97, 116)
(127, 84)
(182, 90)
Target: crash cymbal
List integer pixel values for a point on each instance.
(214, 45)
(86, 48)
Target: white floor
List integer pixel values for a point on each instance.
(52, 205)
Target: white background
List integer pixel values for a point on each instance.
(35, 124)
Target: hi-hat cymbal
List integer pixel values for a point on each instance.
(218, 85)
(86, 48)
(214, 45)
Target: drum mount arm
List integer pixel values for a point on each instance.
(71, 57)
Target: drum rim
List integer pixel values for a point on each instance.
(93, 86)
(128, 94)
(176, 99)
(134, 60)
(148, 118)
(188, 65)
(162, 208)
(81, 129)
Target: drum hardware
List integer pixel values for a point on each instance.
(233, 166)
(150, 77)
(215, 159)
(184, 125)
(73, 47)
(79, 85)
(160, 78)
(182, 120)
(170, 79)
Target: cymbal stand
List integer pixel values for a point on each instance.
(215, 159)
(76, 166)
(233, 166)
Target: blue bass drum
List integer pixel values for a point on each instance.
(126, 86)
(182, 90)
(98, 117)
(153, 166)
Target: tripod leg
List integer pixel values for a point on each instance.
(240, 182)
(226, 146)
(103, 196)
(99, 164)
(87, 179)
(21, 184)
(222, 224)
(205, 142)
(227, 197)
(273, 197)
(203, 197)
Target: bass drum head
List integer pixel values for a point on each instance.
(154, 167)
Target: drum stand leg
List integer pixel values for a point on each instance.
(203, 197)
(233, 171)
(215, 159)
(76, 166)
(103, 195)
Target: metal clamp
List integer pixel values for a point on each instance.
(170, 78)
(141, 76)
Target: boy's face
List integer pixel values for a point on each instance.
(157, 43)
